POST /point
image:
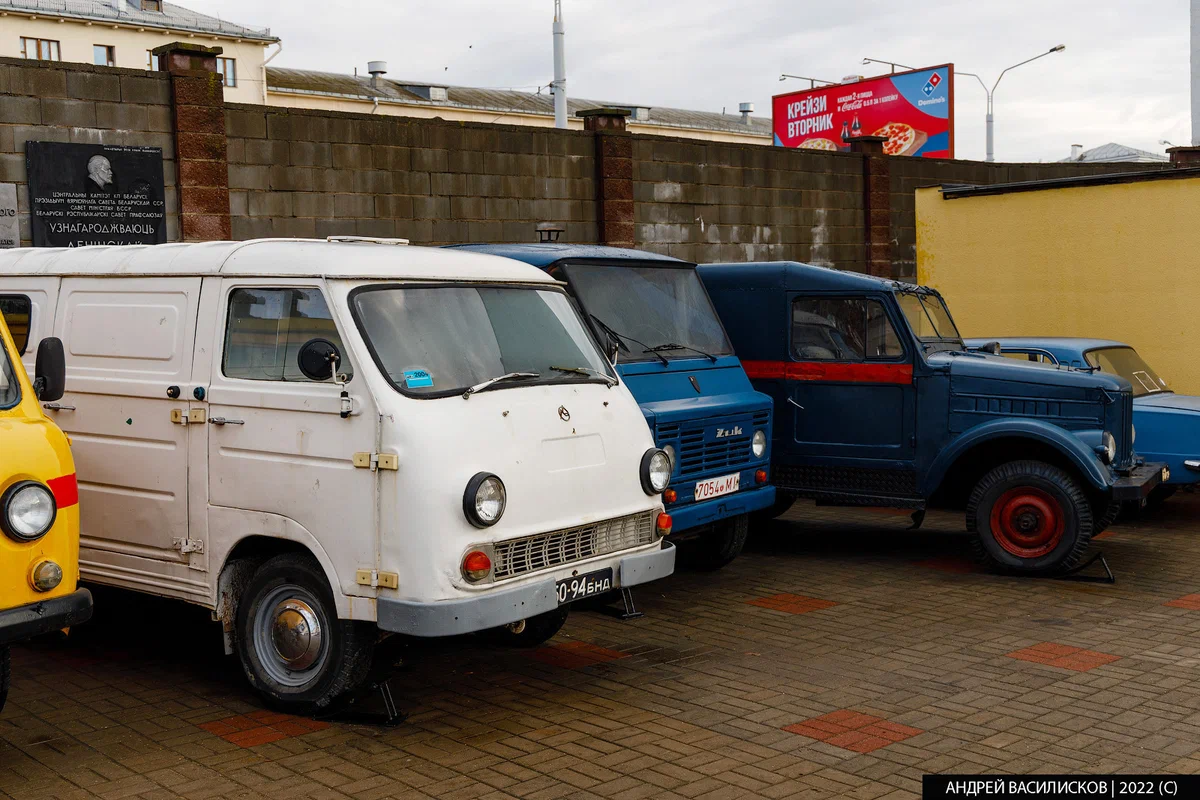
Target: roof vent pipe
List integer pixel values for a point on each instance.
(746, 110)
(1076, 151)
(377, 70)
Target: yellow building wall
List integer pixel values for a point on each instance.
(76, 39)
(1118, 261)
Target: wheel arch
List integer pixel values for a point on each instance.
(959, 467)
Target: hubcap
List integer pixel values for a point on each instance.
(1027, 522)
(296, 634)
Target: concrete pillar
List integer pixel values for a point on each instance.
(198, 105)
(614, 174)
(877, 203)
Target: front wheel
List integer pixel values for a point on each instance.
(530, 632)
(781, 506)
(5, 675)
(295, 651)
(717, 546)
(1029, 517)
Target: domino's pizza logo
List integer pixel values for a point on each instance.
(932, 83)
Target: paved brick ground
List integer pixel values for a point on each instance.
(840, 657)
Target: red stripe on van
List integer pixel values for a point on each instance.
(65, 490)
(829, 371)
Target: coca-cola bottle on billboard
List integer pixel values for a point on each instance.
(855, 127)
(845, 130)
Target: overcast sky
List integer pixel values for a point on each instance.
(1122, 78)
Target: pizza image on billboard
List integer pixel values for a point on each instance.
(914, 110)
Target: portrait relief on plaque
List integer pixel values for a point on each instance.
(88, 194)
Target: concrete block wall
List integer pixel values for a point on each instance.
(59, 102)
(725, 202)
(298, 172)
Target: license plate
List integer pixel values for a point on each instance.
(715, 487)
(578, 587)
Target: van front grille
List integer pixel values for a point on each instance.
(516, 557)
(696, 456)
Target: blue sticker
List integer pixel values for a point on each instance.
(417, 378)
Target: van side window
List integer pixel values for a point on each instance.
(842, 329)
(266, 329)
(16, 310)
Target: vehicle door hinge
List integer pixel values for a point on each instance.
(376, 461)
(376, 579)
(185, 546)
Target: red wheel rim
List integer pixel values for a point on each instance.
(1027, 522)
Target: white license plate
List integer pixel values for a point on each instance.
(580, 586)
(715, 487)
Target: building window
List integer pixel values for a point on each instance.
(151, 61)
(40, 49)
(104, 55)
(228, 69)
(151, 5)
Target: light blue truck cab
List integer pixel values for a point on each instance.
(653, 315)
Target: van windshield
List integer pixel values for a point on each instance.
(650, 311)
(1125, 361)
(10, 390)
(442, 340)
(930, 321)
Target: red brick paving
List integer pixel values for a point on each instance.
(954, 564)
(261, 727)
(1065, 656)
(792, 603)
(852, 730)
(576, 654)
(1189, 601)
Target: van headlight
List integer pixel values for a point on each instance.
(670, 451)
(758, 445)
(484, 500)
(1108, 448)
(656, 471)
(27, 511)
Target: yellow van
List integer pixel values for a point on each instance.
(39, 503)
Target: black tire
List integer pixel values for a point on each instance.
(783, 503)
(1104, 514)
(530, 632)
(716, 547)
(5, 674)
(1043, 519)
(343, 653)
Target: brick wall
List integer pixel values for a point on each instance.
(57, 102)
(296, 172)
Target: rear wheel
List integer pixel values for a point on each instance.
(530, 632)
(1030, 518)
(716, 547)
(5, 675)
(295, 651)
(782, 505)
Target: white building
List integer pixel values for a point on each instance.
(121, 33)
(1112, 152)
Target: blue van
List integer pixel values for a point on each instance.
(652, 315)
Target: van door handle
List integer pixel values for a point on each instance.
(57, 407)
(797, 405)
(223, 421)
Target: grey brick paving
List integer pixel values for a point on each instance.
(688, 702)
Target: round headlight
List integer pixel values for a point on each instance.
(656, 471)
(758, 445)
(46, 575)
(670, 451)
(27, 511)
(484, 500)
(1110, 447)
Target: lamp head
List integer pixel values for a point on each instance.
(1058, 48)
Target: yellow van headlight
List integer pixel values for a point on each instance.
(27, 511)
(45, 575)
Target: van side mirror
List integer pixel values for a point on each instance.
(50, 374)
(990, 347)
(318, 359)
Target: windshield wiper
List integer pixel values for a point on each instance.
(619, 336)
(672, 346)
(508, 376)
(608, 379)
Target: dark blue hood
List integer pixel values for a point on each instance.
(667, 394)
(1175, 402)
(989, 367)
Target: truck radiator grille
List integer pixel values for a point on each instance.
(515, 557)
(697, 456)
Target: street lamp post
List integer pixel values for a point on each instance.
(812, 82)
(990, 92)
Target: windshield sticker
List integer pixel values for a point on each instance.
(417, 378)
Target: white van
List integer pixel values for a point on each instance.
(319, 439)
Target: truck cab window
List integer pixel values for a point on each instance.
(842, 329)
(266, 329)
(16, 310)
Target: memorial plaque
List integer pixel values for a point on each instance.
(81, 194)
(10, 231)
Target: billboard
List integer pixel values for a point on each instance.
(915, 110)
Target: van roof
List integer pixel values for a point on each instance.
(544, 254)
(366, 259)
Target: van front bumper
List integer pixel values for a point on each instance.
(687, 516)
(503, 606)
(1138, 484)
(45, 616)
